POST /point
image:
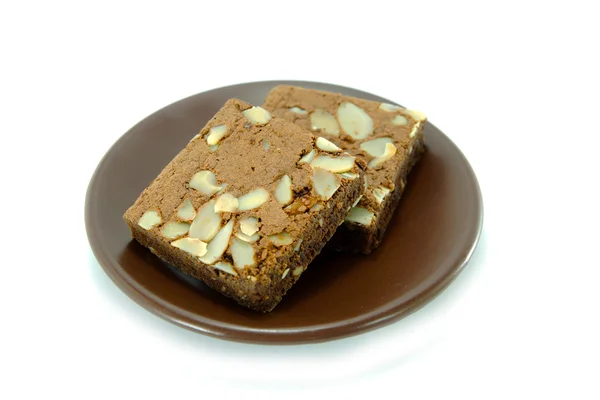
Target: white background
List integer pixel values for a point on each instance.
(515, 84)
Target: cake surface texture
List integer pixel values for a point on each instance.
(386, 137)
(247, 204)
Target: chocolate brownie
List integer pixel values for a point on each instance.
(387, 137)
(247, 204)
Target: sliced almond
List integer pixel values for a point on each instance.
(322, 120)
(355, 121)
(360, 216)
(358, 199)
(186, 211)
(174, 229)
(298, 110)
(219, 244)
(213, 148)
(325, 183)
(226, 203)
(247, 238)
(414, 130)
(375, 147)
(205, 182)
(225, 267)
(416, 115)
(193, 246)
(207, 222)
(308, 157)
(283, 192)
(333, 164)
(150, 219)
(317, 207)
(215, 134)
(242, 253)
(380, 193)
(253, 199)
(389, 107)
(297, 246)
(326, 145)
(349, 175)
(257, 115)
(285, 273)
(249, 226)
(298, 271)
(389, 152)
(281, 239)
(400, 120)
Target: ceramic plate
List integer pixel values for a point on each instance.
(429, 240)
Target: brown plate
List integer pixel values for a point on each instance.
(431, 237)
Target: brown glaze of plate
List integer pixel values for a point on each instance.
(429, 240)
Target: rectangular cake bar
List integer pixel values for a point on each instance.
(247, 204)
(388, 138)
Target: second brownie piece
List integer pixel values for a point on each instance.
(387, 137)
(247, 204)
